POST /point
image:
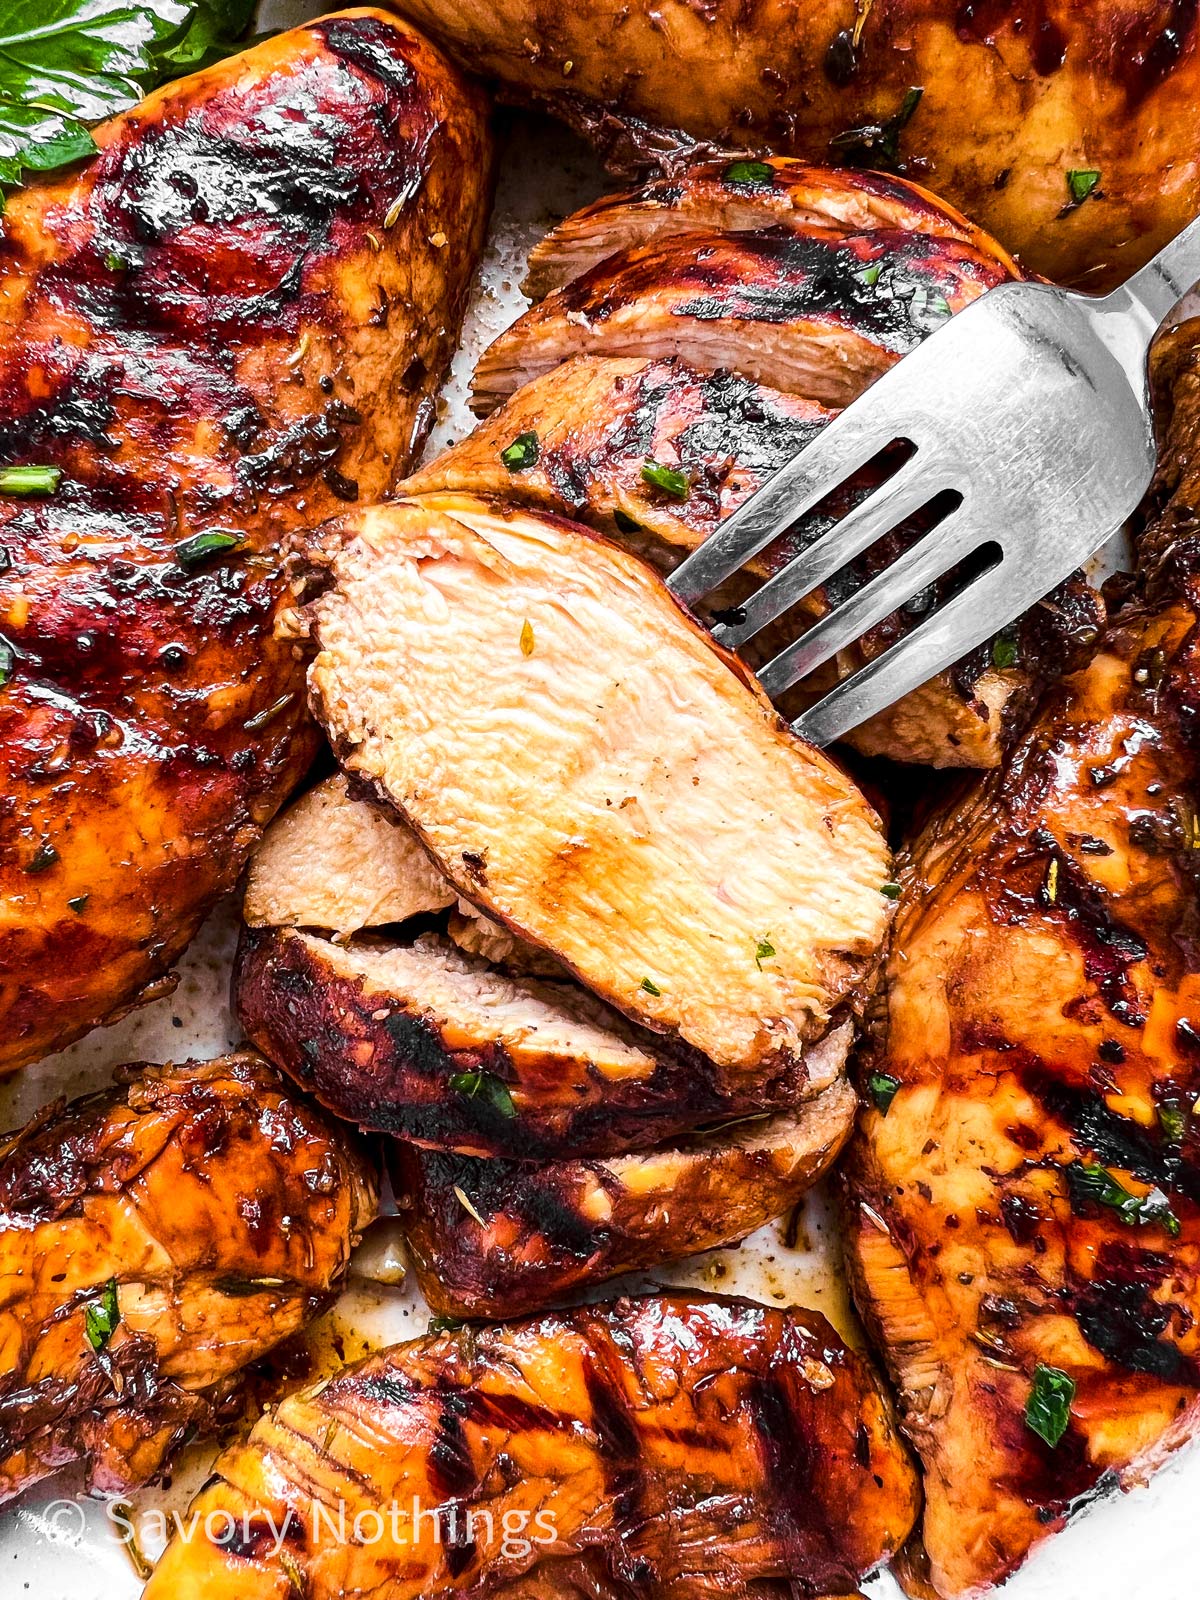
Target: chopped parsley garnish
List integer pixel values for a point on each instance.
(44, 858)
(485, 1086)
(650, 986)
(101, 1316)
(869, 276)
(749, 174)
(201, 546)
(763, 951)
(877, 144)
(29, 480)
(527, 640)
(521, 453)
(1005, 651)
(1048, 1408)
(666, 479)
(8, 660)
(1087, 1181)
(1172, 1119)
(445, 1324)
(890, 891)
(883, 1089)
(1082, 182)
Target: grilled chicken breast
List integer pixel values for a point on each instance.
(500, 1238)
(222, 329)
(1024, 1202)
(589, 769)
(432, 1044)
(785, 304)
(154, 1240)
(683, 1448)
(991, 105)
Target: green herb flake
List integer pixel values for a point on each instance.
(523, 452)
(869, 276)
(650, 986)
(1172, 1119)
(26, 481)
(890, 891)
(527, 639)
(202, 547)
(78, 904)
(1005, 651)
(101, 1316)
(668, 480)
(877, 144)
(8, 661)
(485, 1086)
(882, 1087)
(43, 859)
(445, 1324)
(1089, 1182)
(1082, 182)
(749, 175)
(763, 951)
(1048, 1408)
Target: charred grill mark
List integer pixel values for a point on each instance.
(788, 1457)
(1119, 1315)
(369, 45)
(618, 1445)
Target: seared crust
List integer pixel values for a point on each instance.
(1011, 99)
(689, 1448)
(499, 1239)
(212, 332)
(1032, 1195)
(378, 1032)
(173, 1188)
(502, 681)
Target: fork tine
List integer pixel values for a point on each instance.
(935, 644)
(914, 485)
(940, 550)
(841, 448)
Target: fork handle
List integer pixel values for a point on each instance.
(1158, 288)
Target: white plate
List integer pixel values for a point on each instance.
(57, 1547)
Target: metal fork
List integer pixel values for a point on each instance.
(1033, 406)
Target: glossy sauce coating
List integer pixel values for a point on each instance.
(224, 328)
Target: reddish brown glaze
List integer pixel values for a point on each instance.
(220, 1212)
(230, 322)
(1042, 1032)
(1015, 94)
(684, 1448)
(366, 1056)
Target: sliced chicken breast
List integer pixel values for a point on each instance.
(435, 1045)
(500, 1238)
(808, 311)
(590, 770)
(737, 196)
(689, 1447)
(334, 861)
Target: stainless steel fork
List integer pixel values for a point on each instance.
(1032, 407)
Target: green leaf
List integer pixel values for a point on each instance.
(29, 480)
(877, 144)
(890, 891)
(883, 1089)
(1087, 1181)
(201, 546)
(1048, 1408)
(763, 951)
(1172, 1119)
(8, 661)
(1005, 651)
(485, 1086)
(521, 453)
(650, 986)
(667, 479)
(1081, 182)
(101, 1316)
(210, 37)
(445, 1324)
(749, 174)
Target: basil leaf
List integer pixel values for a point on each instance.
(1048, 1408)
(667, 479)
(763, 951)
(523, 452)
(209, 38)
(1172, 1119)
(749, 174)
(200, 546)
(485, 1086)
(891, 891)
(883, 1089)
(29, 480)
(649, 985)
(8, 661)
(1005, 651)
(101, 1316)
(1081, 182)
(445, 1324)
(1088, 1182)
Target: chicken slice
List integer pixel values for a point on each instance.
(808, 311)
(155, 1240)
(736, 196)
(500, 1238)
(688, 1448)
(427, 1042)
(590, 770)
